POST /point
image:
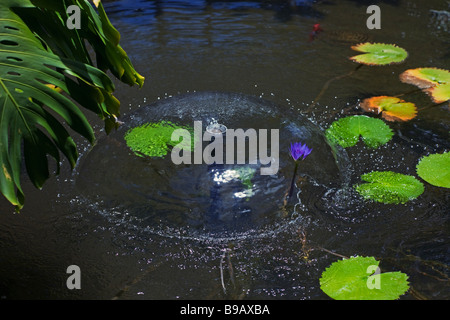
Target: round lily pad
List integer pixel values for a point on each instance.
(435, 169)
(389, 187)
(153, 139)
(347, 131)
(391, 108)
(359, 278)
(379, 54)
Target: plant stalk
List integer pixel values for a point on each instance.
(293, 180)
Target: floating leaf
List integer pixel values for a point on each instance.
(439, 93)
(346, 131)
(153, 139)
(435, 169)
(392, 108)
(378, 54)
(425, 77)
(358, 278)
(389, 187)
(434, 81)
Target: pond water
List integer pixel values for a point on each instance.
(141, 229)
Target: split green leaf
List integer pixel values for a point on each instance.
(379, 54)
(347, 131)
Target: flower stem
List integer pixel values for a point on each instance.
(293, 180)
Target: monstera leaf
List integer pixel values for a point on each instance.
(434, 81)
(359, 278)
(391, 108)
(45, 74)
(379, 54)
(389, 187)
(347, 131)
(435, 169)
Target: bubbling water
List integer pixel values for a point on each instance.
(214, 201)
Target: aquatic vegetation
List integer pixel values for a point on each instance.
(435, 169)
(41, 62)
(246, 174)
(374, 54)
(298, 152)
(359, 278)
(389, 187)
(154, 139)
(391, 108)
(347, 131)
(379, 54)
(433, 81)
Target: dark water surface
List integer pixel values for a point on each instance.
(259, 49)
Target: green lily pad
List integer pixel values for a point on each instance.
(389, 187)
(435, 169)
(154, 139)
(356, 279)
(347, 131)
(378, 54)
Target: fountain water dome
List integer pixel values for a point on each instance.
(213, 201)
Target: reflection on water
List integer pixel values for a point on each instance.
(258, 48)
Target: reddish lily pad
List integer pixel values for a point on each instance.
(391, 108)
(433, 81)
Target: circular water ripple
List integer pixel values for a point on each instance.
(202, 200)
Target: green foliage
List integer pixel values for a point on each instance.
(435, 169)
(378, 54)
(355, 279)
(389, 187)
(154, 139)
(347, 131)
(246, 175)
(42, 62)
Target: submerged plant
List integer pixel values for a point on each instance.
(359, 278)
(298, 152)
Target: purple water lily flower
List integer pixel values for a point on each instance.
(298, 151)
